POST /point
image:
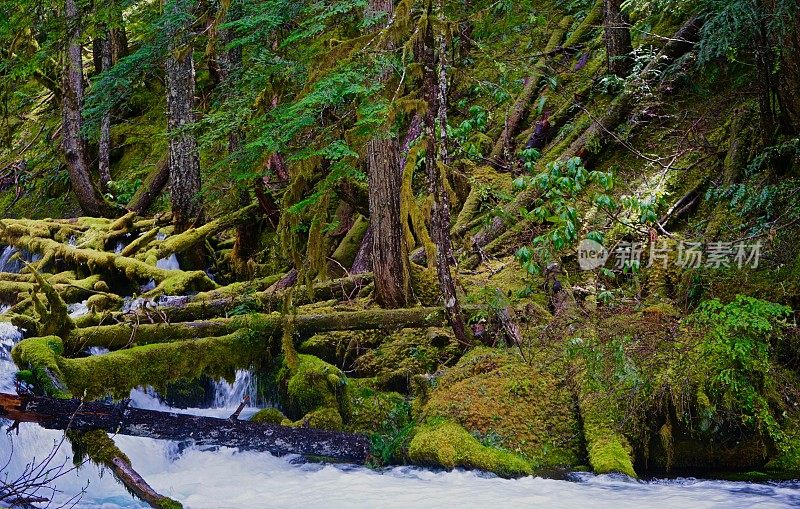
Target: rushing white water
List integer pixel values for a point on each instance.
(169, 263)
(78, 309)
(6, 264)
(9, 336)
(220, 477)
(15, 265)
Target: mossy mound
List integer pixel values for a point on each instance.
(495, 395)
(371, 408)
(269, 416)
(407, 353)
(446, 444)
(312, 386)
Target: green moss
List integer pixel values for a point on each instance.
(493, 394)
(448, 445)
(41, 356)
(269, 416)
(370, 408)
(98, 446)
(311, 386)
(425, 285)
(104, 302)
(406, 353)
(116, 373)
(323, 418)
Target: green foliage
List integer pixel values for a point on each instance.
(736, 349)
(390, 441)
(561, 189)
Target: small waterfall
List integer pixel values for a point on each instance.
(78, 309)
(6, 264)
(72, 241)
(4, 308)
(230, 395)
(9, 336)
(170, 262)
(119, 247)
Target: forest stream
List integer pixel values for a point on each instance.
(400, 253)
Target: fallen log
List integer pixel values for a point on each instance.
(252, 436)
(123, 335)
(102, 450)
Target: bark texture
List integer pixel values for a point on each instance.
(104, 149)
(60, 414)
(434, 89)
(618, 38)
(89, 199)
(389, 250)
(184, 162)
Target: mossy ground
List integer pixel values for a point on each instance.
(499, 398)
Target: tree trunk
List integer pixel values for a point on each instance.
(385, 177)
(104, 150)
(434, 90)
(389, 250)
(618, 38)
(62, 414)
(247, 232)
(89, 199)
(184, 162)
(151, 187)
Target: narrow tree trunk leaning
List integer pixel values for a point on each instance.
(503, 145)
(104, 149)
(434, 90)
(184, 162)
(151, 187)
(62, 414)
(617, 36)
(89, 199)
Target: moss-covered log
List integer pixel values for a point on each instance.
(190, 238)
(171, 282)
(102, 450)
(127, 334)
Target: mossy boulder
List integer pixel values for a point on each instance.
(495, 395)
(311, 386)
(447, 444)
(406, 353)
(269, 416)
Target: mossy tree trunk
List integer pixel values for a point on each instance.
(184, 161)
(104, 149)
(74, 144)
(618, 38)
(389, 251)
(434, 90)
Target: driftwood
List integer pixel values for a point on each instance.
(54, 413)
